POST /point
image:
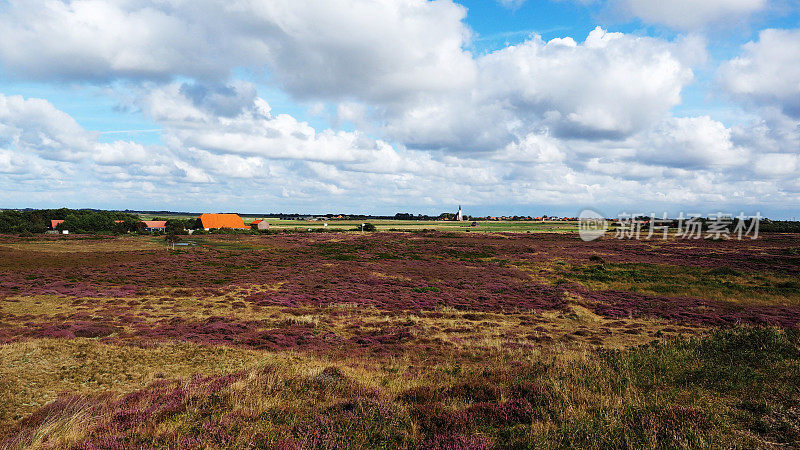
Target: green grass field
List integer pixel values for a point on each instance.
(405, 225)
(499, 226)
(438, 225)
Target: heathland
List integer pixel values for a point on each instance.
(423, 338)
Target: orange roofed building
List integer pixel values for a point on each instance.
(210, 221)
(155, 225)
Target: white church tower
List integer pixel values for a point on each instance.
(459, 216)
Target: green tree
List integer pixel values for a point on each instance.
(176, 227)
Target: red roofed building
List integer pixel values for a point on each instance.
(210, 221)
(260, 224)
(155, 225)
(55, 223)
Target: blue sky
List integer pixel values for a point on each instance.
(379, 106)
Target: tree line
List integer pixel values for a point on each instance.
(77, 220)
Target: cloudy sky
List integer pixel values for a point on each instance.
(384, 106)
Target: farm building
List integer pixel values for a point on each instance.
(55, 223)
(260, 224)
(155, 225)
(210, 221)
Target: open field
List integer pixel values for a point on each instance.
(437, 225)
(406, 225)
(429, 339)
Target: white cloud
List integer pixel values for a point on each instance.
(778, 165)
(219, 159)
(375, 50)
(692, 14)
(90, 39)
(121, 153)
(534, 148)
(512, 4)
(191, 121)
(403, 61)
(691, 142)
(36, 126)
(612, 85)
(370, 49)
(767, 73)
(14, 163)
(42, 141)
(397, 68)
(543, 122)
(772, 132)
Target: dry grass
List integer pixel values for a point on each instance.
(726, 285)
(632, 399)
(88, 245)
(34, 372)
(330, 356)
(576, 325)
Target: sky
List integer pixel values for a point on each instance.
(382, 106)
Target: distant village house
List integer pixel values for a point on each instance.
(211, 221)
(53, 227)
(155, 225)
(260, 224)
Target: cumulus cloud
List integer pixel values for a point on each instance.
(424, 122)
(213, 158)
(399, 65)
(193, 121)
(692, 14)
(767, 72)
(778, 165)
(376, 50)
(14, 163)
(610, 86)
(403, 61)
(772, 132)
(36, 126)
(765, 79)
(44, 140)
(691, 142)
(101, 40)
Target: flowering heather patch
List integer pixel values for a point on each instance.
(433, 340)
(75, 329)
(637, 398)
(221, 331)
(690, 310)
(204, 410)
(414, 284)
(418, 272)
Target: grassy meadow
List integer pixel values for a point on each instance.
(517, 336)
(403, 225)
(425, 225)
